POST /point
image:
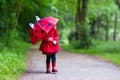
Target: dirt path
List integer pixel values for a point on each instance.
(70, 66)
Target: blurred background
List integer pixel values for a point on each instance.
(85, 26)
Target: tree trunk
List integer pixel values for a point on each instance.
(83, 11)
(80, 16)
(107, 29)
(115, 28)
(81, 32)
(98, 26)
(18, 10)
(77, 19)
(118, 3)
(14, 23)
(92, 28)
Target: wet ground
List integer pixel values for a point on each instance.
(70, 66)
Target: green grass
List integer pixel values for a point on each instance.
(114, 58)
(109, 51)
(12, 60)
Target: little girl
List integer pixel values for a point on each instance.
(50, 47)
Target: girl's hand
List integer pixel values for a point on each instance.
(54, 42)
(50, 39)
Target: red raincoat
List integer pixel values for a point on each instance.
(47, 47)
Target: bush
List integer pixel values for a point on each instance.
(82, 44)
(75, 44)
(108, 47)
(12, 57)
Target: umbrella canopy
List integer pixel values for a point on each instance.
(51, 19)
(47, 23)
(41, 28)
(36, 33)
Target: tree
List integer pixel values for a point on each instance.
(107, 29)
(99, 11)
(115, 28)
(118, 3)
(81, 30)
(66, 13)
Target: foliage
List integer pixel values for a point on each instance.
(83, 41)
(13, 60)
(100, 47)
(12, 56)
(114, 58)
(103, 7)
(66, 13)
(102, 13)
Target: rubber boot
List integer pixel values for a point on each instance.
(48, 68)
(54, 67)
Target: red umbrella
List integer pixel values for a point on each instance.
(36, 33)
(41, 28)
(47, 23)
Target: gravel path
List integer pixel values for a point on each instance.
(70, 66)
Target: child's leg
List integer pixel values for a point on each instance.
(53, 58)
(54, 63)
(48, 57)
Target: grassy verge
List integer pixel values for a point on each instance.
(12, 60)
(109, 51)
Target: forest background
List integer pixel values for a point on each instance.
(85, 26)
